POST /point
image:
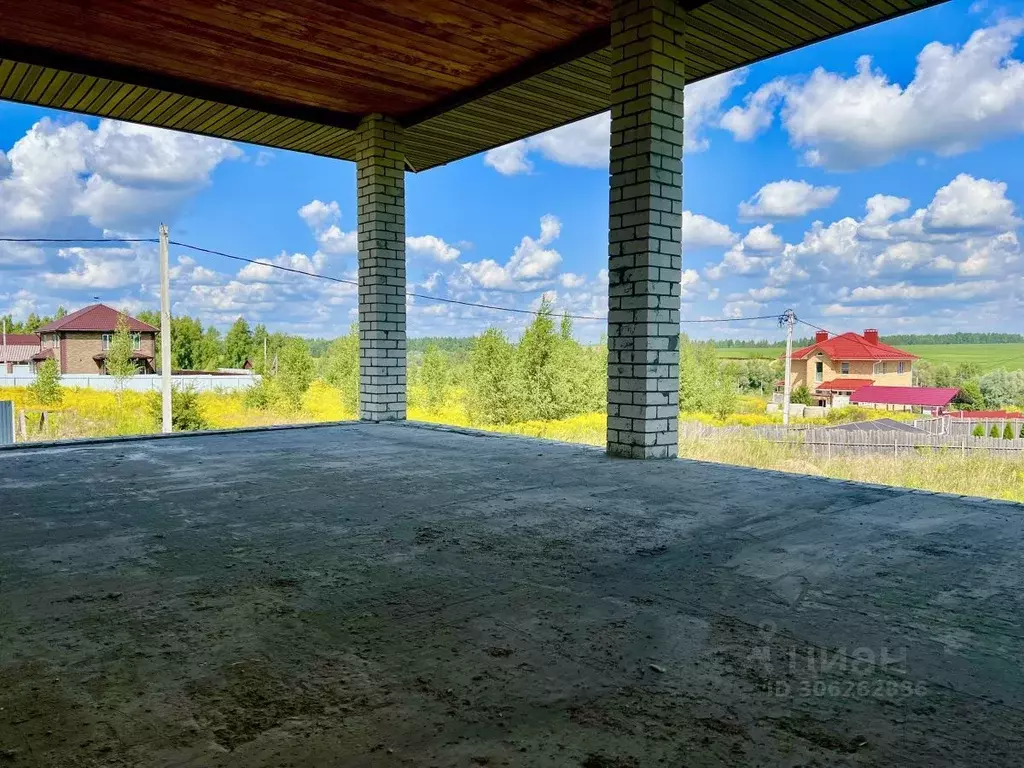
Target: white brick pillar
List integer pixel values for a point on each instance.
(644, 244)
(380, 176)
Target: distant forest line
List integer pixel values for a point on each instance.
(895, 339)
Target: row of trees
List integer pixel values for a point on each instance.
(996, 389)
(896, 339)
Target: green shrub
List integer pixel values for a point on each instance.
(801, 395)
(1021, 430)
(994, 432)
(1008, 431)
(186, 411)
(261, 396)
(979, 431)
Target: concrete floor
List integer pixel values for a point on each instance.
(398, 595)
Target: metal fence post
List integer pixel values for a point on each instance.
(6, 422)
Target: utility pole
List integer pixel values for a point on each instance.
(789, 319)
(165, 329)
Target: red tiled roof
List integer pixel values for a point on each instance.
(845, 385)
(96, 317)
(986, 415)
(17, 353)
(930, 396)
(43, 354)
(20, 347)
(852, 346)
(21, 339)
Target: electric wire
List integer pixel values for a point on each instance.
(345, 281)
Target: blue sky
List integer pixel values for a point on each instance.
(871, 180)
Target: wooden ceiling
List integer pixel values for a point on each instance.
(462, 75)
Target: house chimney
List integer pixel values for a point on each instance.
(820, 336)
(871, 334)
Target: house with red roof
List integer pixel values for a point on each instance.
(16, 352)
(79, 342)
(835, 367)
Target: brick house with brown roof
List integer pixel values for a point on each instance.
(80, 341)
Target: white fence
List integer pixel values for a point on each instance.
(142, 383)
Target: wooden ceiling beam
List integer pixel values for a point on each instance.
(121, 73)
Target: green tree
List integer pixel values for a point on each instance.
(759, 375)
(295, 372)
(566, 327)
(120, 355)
(1021, 431)
(186, 344)
(493, 395)
(969, 398)
(994, 432)
(238, 344)
(47, 387)
(260, 348)
(978, 431)
(704, 385)
(966, 372)
(942, 376)
(923, 374)
(434, 377)
(535, 356)
(1008, 432)
(211, 350)
(580, 382)
(1001, 387)
(340, 368)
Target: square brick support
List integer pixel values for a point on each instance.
(380, 176)
(645, 219)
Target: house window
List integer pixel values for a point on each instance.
(819, 372)
(901, 367)
(844, 368)
(878, 368)
(136, 341)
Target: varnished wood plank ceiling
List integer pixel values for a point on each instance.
(462, 75)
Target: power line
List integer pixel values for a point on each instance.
(78, 240)
(345, 281)
(815, 327)
(354, 282)
(734, 320)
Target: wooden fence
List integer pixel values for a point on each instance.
(824, 442)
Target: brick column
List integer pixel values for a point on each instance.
(645, 207)
(380, 176)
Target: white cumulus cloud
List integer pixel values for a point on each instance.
(585, 143)
(959, 97)
(787, 199)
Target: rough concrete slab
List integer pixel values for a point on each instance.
(378, 595)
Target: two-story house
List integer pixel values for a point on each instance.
(834, 367)
(80, 341)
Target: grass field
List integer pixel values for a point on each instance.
(988, 356)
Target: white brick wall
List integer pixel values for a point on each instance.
(380, 176)
(644, 256)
